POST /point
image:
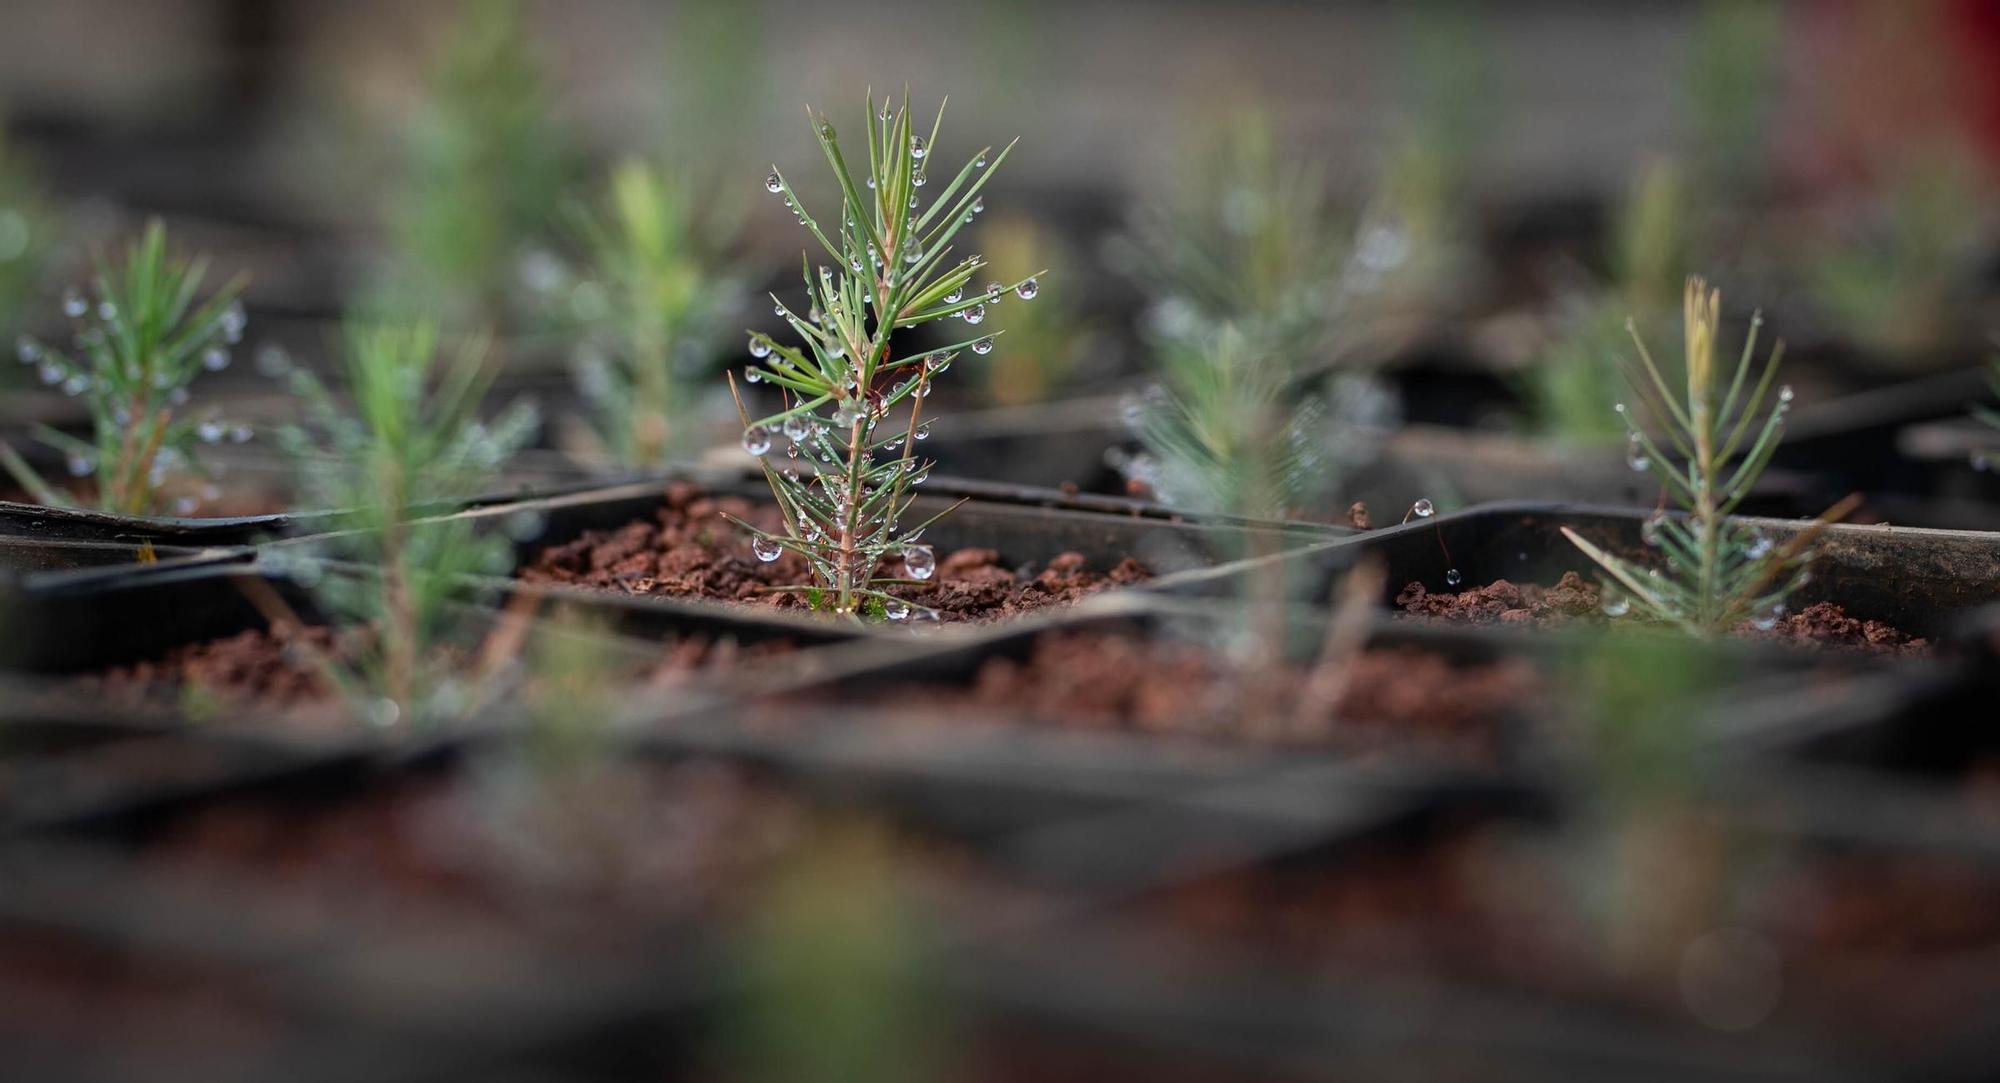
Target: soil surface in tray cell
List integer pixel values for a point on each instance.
(1576, 600)
(689, 550)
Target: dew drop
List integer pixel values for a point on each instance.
(106, 310)
(920, 561)
(753, 375)
(924, 431)
(240, 434)
(1767, 618)
(993, 292)
(76, 385)
(912, 251)
(978, 204)
(79, 466)
(73, 304)
(215, 359)
(895, 609)
(1649, 531)
(1978, 461)
(979, 162)
(210, 431)
(796, 428)
(1759, 547)
(756, 439)
(1615, 604)
(918, 179)
(1027, 290)
(983, 346)
(1635, 455)
(1785, 393)
(766, 549)
(1452, 577)
(27, 350)
(50, 372)
(1423, 508)
(975, 314)
(759, 348)
(955, 296)
(918, 148)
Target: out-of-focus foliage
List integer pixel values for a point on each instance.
(651, 305)
(484, 172)
(1047, 342)
(141, 341)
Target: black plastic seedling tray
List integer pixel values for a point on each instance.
(1921, 581)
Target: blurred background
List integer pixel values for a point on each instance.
(1497, 185)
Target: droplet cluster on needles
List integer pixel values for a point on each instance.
(849, 471)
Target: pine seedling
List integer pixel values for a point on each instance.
(411, 439)
(891, 269)
(1718, 573)
(141, 341)
(652, 304)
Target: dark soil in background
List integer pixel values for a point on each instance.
(1856, 935)
(275, 670)
(579, 853)
(1574, 599)
(1393, 696)
(689, 550)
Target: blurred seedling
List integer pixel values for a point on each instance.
(411, 441)
(890, 270)
(831, 971)
(27, 233)
(140, 343)
(1228, 430)
(1891, 279)
(651, 301)
(1245, 235)
(1567, 389)
(484, 173)
(1716, 571)
(1046, 343)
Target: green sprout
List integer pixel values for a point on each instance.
(140, 343)
(1718, 573)
(411, 440)
(653, 305)
(891, 270)
(484, 174)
